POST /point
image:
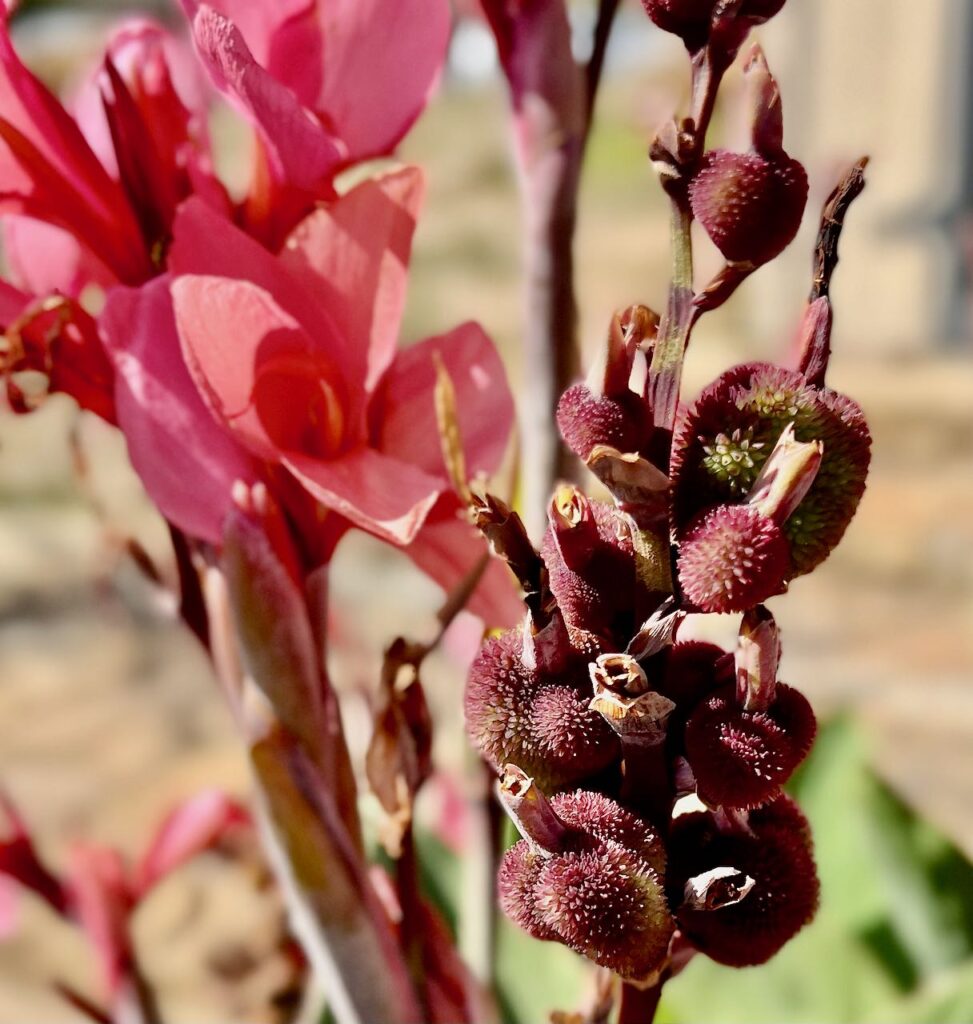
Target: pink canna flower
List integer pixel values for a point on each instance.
(284, 368)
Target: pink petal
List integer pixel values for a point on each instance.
(275, 33)
(187, 461)
(373, 102)
(9, 908)
(191, 828)
(42, 259)
(206, 243)
(448, 547)
(354, 254)
(385, 496)
(258, 369)
(12, 303)
(483, 401)
(49, 171)
(301, 151)
(100, 897)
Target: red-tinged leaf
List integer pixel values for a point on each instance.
(343, 926)
(193, 827)
(272, 623)
(452, 994)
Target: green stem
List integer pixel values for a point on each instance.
(665, 373)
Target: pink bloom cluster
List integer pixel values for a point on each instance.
(250, 338)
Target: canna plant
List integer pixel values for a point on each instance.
(643, 771)
(247, 348)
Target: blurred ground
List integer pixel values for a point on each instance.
(107, 710)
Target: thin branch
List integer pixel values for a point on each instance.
(607, 9)
(832, 221)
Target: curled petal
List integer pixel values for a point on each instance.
(378, 493)
(301, 151)
(447, 548)
(483, 401)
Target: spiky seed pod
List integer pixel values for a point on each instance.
(776, 854)
(541, 723)
(722, 442)
(733, 558)
(608, 822)
(516, 877)
(750, 205)
(599, 892)
(608, 906)
(739, 757)
(587, 419)
(690, 19)
(597, 584)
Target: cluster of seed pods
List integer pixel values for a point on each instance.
(643, 770)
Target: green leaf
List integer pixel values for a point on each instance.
(947, 999)
(537, 977)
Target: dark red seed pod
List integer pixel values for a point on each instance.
(733, 558)
(689, 672)
(690, 19)
(540, 723)
(586, 419)
(776, 854)
(722, 442)
(595, 582)
(516, 877)
(610, 823)
(750, 205)
(739, 757)
(593, 882)
(608, 906)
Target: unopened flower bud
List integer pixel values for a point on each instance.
(593, 571)
(740, 758)
(775, 852)
(603, 410)
(733, 558)
(692, 20)
(786, 477)
(536, 720)
(756, 659)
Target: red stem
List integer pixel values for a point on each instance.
(639, 1005)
